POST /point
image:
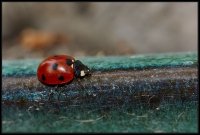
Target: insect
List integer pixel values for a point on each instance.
(61, 69)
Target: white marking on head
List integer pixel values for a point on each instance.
(82, 73)
(72, 65)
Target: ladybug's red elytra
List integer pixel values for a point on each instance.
(61, 69)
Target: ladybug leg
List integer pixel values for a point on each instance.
(56, 103)
(83, 91)
(79, 83)
(58, 92)
(51, 94)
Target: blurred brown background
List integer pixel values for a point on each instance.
(35, 30)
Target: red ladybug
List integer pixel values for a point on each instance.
(61, 69)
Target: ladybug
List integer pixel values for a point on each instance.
(61, 69)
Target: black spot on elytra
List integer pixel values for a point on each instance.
(55, 66)
(43, 77)
(61, 78)
(69, 62)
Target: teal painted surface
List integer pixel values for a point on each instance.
(167, 119)
(29, 66)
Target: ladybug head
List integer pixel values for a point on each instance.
(81, 70)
